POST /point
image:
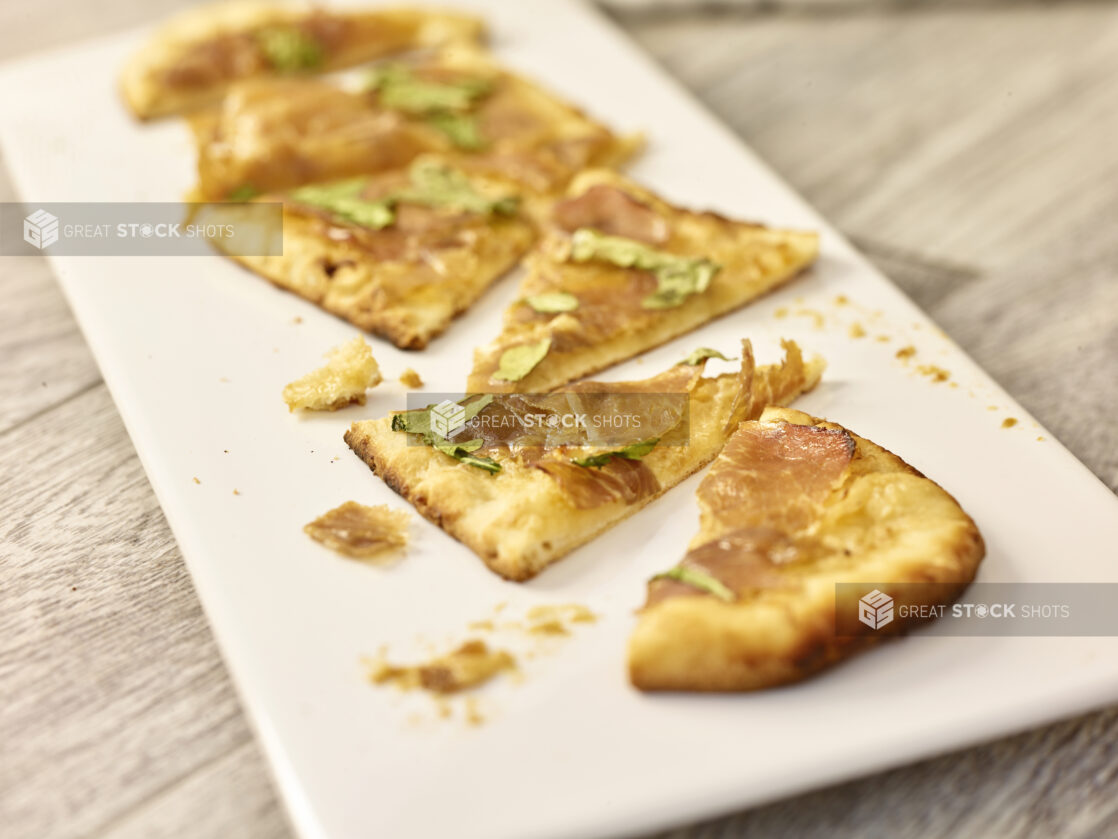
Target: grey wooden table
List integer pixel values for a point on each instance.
(971, 149)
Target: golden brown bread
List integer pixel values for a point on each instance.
(611, 321)
(794, 506)
(194, 58)
(525, 517)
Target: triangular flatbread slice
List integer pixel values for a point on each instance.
(521, 507)
(196, 56)
(400, 253)
(620, 271)
(793, 506)
(277, 133)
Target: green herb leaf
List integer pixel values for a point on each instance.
(702, 354)
(245, 192)
(677, 277)
(552, 301)
(698, 579)
(401, 90)
(343, 198)
(461, 129)
(436, 185)
(518, 362)
(464, 452)
(289, 48)
(632, 452)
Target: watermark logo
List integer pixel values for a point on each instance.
(40, 229)
(875, 610)
(448, 418)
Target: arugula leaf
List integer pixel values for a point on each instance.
(464, 452)
(461, 129)
(702, 354)
(518, 362)
(552, 301)
(677, 277)
(289, 48)
(343, 198)
(401, 90)
(698, 579)
(632, 452)
(437, 185)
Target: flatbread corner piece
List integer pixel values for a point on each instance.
(634, 272)
(276, 133)
(397, 258)
(522, 508)
(193, 58)
(793, 506)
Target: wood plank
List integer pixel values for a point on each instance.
(113, 686)
(973, 134)
(45, 357)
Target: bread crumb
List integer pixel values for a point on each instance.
(1040, 439)
(782, 312)
(350, 370)
(816, 317)
(883, 339)
(905, 353)
(197, 481)
(409, 378)
(296, 320)
(937, 374)
(856, 331)
(360, 532)
(841, 300)
(469, 666)
(236, 491)
(1009, 422)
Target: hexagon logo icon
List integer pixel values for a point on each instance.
(40, 229)
(448, 418)
(875, 610)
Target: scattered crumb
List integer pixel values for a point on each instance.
(1040, 439)
(350, 370)
(226, 451)
(473, 712)
(482, 626)
(360, 532)
(469, 666)
(75, 588)
(991, 407)
(409, 378)
(842, 300)
(782, 312)
(884, 339)
(857, 331)
(905, 353)
(937, 374)
(296, 320)
(197, 481)
(816, 317)
(953, 384)
(1009, 422)
(334, 458)
(236, 491)
(225, 379)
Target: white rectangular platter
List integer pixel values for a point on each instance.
(196, 351)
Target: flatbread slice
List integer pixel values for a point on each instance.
(620, 271)
(793, 506)
(521, 507)
(398, 254)
(278, 133)
(193, 59)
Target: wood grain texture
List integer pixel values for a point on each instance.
(969, 149)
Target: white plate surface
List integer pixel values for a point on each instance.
(196, 351)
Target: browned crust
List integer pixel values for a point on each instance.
(666, 650)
